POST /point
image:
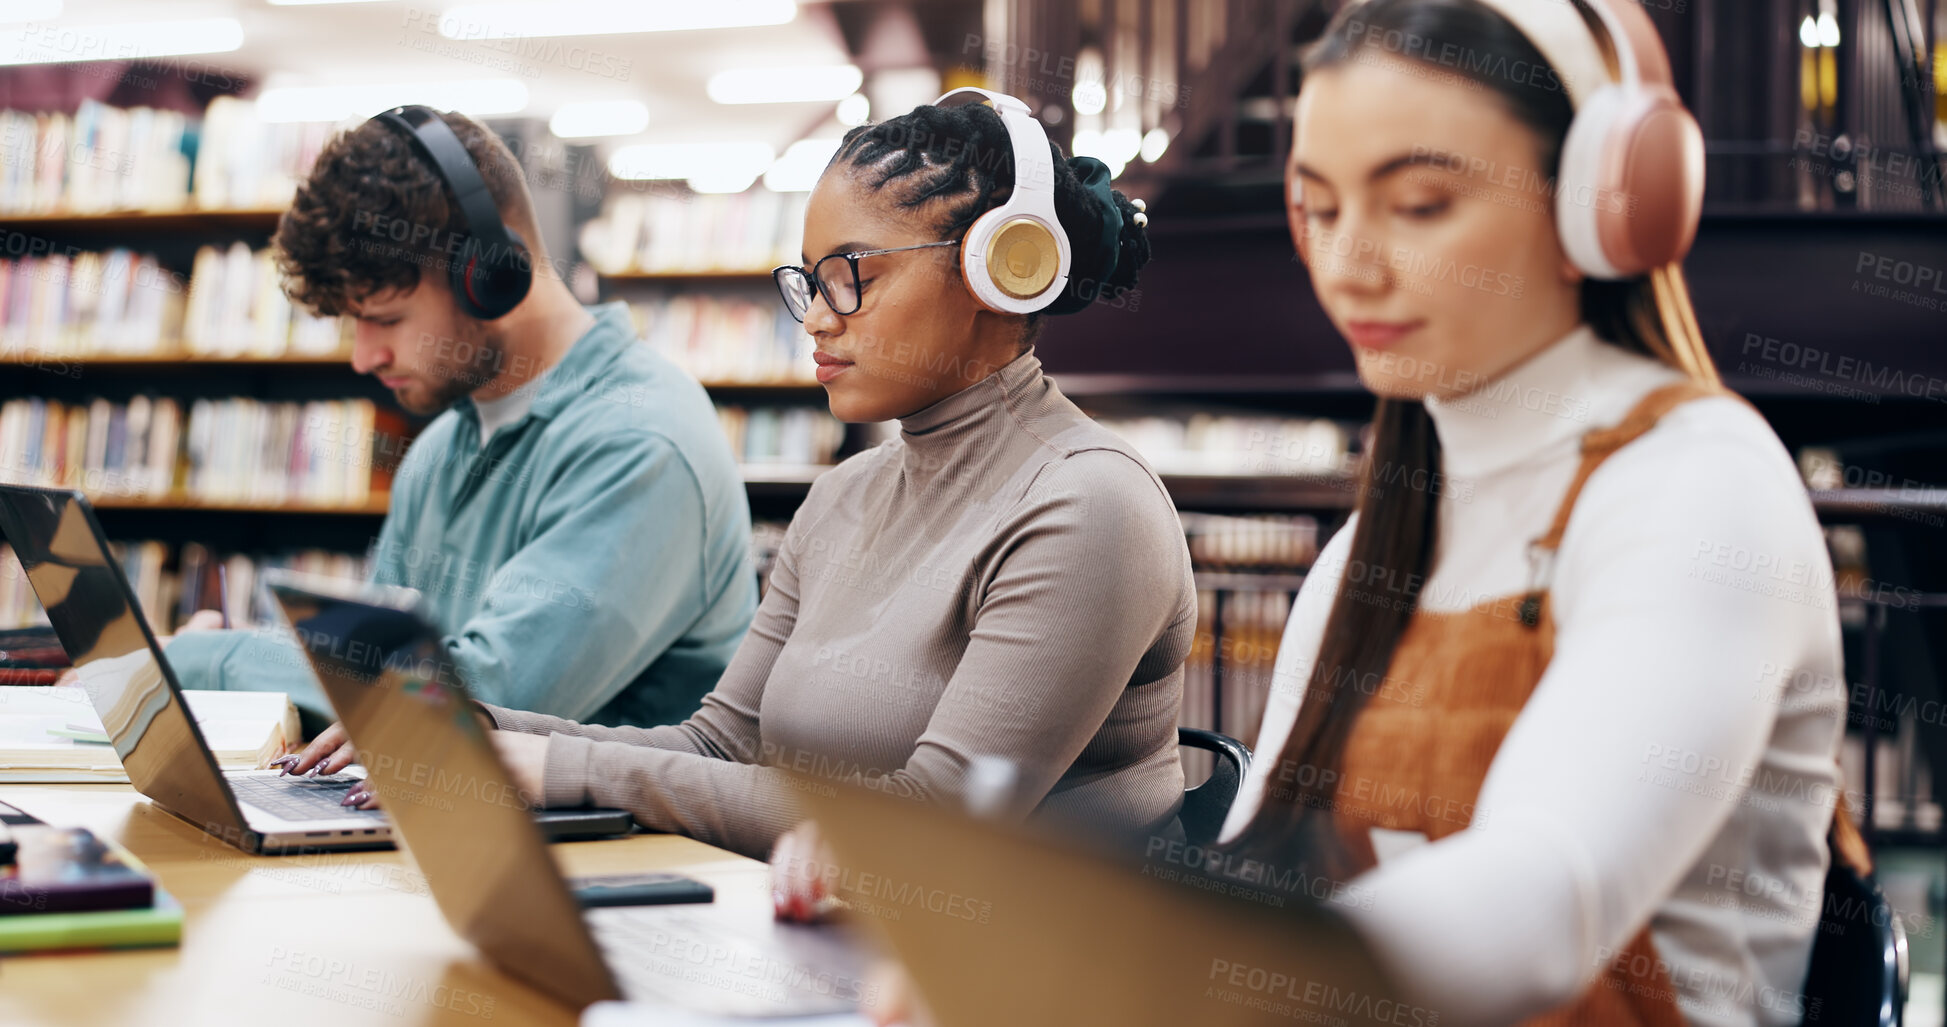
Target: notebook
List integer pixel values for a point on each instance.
(44, 732)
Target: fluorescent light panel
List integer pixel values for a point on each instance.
(821, 83)
(336, 103)
(61, 44)
(798, 170)
(14, 12)
(644, 161)
(608, 17)
(599, 118)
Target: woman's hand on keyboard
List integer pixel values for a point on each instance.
(328, 753)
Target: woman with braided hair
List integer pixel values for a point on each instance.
(1004, 578)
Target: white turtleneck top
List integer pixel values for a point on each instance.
(1676, 764)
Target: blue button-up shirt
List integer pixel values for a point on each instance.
(591, 561)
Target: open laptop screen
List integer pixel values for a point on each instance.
(451, 802)
(94, 613)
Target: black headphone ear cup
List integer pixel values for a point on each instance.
(490, 281)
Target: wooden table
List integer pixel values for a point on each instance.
(283, 941)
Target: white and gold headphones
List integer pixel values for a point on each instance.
(1016, 257)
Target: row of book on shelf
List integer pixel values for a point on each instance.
(235, 450)
(103, 158)
(727, 338)
(670, 233)
(121, 303)
(797, 435)
(1238, 444)
(172, 584)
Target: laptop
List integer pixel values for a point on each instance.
(467, 829)
(94, 613)
(1079, 934)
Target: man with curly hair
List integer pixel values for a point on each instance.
(573, 514)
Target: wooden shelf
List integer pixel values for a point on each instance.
(782, 474)
(150, 221)
(806, 388)
(374, 506)
(719, 275)
(166, 358)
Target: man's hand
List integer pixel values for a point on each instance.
(202, 620)
(526, 757)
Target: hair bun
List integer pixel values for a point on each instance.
(1106, 233)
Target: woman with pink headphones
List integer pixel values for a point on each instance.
(1563, 719)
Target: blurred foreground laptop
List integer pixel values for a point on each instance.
(456, 810)
(1008, 923)
(93, 610)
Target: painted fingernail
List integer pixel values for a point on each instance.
(354, 797)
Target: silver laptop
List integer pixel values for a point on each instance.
(468, 830)
(94, 612)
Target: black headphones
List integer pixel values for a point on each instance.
(491, 272)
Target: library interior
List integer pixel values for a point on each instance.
(973, 512)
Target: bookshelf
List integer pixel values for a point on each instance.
(239, 220)
(374, 505)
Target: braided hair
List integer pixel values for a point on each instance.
(961, 160)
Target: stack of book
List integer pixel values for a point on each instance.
(1229, 444)
(684, 233)
(169, 591)
(102, 159)
(789, 435)
(1253, 625)
(244, 161)
(728, 339)
(109, 449)
(66, 888)
(325, 452)
(1276, 543)
(118, 302)
(121, 303)
(53, 734)
(237, 308)
(98, 159)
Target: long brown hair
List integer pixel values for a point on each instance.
(1393, 538)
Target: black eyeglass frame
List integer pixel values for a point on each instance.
(810, 276)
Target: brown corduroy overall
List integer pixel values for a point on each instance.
(1417, 755)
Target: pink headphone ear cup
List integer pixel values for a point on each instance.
(1655, 169)
(1631, 183)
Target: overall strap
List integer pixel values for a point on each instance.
(1597, 446)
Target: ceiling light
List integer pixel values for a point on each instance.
(1828, 30)
(607, 17)
(706, 161)
(1155, 141)
(798, 170)
(599, 118)
(30, 10)
(854, 110)
(337, 103)
(58, 44)
(785, 85)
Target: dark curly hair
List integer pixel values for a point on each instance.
(373, 215)
(961, 160)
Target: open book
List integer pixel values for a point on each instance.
(45, 732)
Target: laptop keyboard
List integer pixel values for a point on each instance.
(301, 797)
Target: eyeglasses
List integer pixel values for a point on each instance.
(838, 282)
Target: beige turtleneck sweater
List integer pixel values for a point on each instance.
(1005, 578)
